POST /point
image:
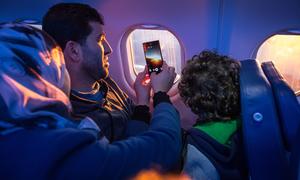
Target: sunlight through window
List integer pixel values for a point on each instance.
(284, 51)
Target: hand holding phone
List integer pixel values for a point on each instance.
(153, 56)
(164, 80)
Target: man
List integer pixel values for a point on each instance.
(79, 30)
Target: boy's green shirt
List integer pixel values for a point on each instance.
(221, 131)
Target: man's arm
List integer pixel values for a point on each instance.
(159, 147)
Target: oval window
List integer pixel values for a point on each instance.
(171, 49)
(284, 50)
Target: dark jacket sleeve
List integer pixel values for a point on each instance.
(142, 113)
(158, 147)
(137, 112)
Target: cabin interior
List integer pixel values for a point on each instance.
(253, 32)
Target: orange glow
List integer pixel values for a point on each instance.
(154, 175)
(57, 56)
(54, 58)
(284, 51)
(27, 92)
(146, 79)
(53, 92)
(45, 57)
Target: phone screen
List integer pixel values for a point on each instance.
(153, 56)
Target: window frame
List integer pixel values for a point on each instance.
(287, 31)
(127, 61)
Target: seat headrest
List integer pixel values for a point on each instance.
(286, 103)
(261, 131)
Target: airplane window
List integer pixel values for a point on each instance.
(171, 49)
(284, 51)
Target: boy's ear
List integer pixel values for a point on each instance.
(73, 50)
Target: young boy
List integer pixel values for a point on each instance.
(210, 87)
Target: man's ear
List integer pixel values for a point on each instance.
(73, 51)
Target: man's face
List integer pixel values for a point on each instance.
(95, 51)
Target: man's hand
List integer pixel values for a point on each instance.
(142, 88)
(164, 80)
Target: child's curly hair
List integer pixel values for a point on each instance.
(209, 85)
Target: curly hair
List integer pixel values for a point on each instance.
(209, 85)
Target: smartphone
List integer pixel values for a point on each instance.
(153, 56)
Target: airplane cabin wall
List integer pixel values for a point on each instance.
(246, 24)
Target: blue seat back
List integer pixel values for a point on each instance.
(286, 103)
(264, 148)
(295, 159)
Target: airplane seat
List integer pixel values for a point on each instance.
(295, 159)
(286, 102)
(263, 143)
(298, 96)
